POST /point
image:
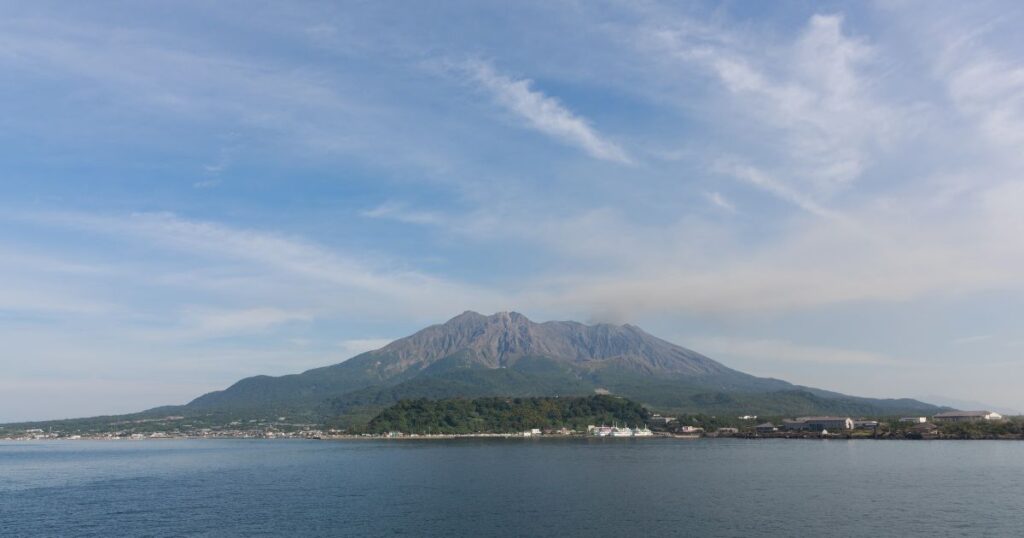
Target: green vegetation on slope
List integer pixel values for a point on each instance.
(503, 415)
(1010, 428)
(675, 395)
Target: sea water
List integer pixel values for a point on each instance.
(527, 487)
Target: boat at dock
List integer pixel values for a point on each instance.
(617, 431)
(621, 432)
(642, 432)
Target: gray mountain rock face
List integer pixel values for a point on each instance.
(501, 339)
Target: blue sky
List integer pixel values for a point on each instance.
(192, 193)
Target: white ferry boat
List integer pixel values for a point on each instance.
(642, 432)
(621, 432)
(616, 431)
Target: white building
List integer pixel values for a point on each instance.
(914, 420)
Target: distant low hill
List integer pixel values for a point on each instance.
(507, 355)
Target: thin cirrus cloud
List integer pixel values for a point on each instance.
(243, 320)
(402, 213)
(759, 179)
(814, 96)
(278, 261)
(972, 339)
(542, 112)
(720, 201)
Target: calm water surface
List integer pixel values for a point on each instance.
(609, 487)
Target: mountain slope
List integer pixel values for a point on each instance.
(506, 354)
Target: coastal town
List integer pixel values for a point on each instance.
(946, 425)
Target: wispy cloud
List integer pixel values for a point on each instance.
(543, 113)
(35, 299)
(290, 261)
(765, 182)
(720, 201)
(201, 84)
(402, 213)
(984, 84)
(810, 102)
(272, 249)
(220, 321)
(971, 339)
(206, 183)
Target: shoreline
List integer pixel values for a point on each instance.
(500, 436)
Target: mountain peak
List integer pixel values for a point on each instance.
(468, 315)
(502, 338)
(472, 316)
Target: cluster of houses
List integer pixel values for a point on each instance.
(820, 424)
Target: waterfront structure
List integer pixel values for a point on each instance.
(819, 423)
(728, 431)
(865, 424)
(967, 416)
(767, 427)
(914, 420)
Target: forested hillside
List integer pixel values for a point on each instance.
(502, 415)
